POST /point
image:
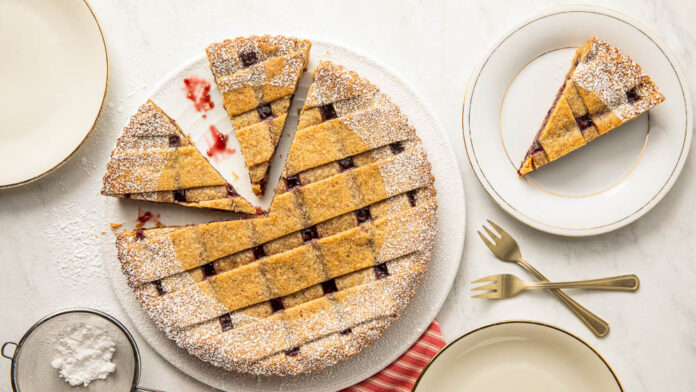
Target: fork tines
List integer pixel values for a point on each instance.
(492, 287)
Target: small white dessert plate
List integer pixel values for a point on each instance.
(53, 73)
(518, 356)
(603, 186)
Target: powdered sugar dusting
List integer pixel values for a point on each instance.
(406, 171)
(609, 73)
(334, 83)
(380, 126)
(149, 121)
(255, 76)
(83, 354)
(146, 261)
(404, 236)
(225, 59)
(367, 100)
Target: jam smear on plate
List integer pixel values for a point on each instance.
(198, 91)
(218, 147)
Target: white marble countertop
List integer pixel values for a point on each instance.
(47, 231)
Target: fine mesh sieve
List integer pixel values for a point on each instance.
(31, 361)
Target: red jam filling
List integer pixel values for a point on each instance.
(198, 91)
(218, 147)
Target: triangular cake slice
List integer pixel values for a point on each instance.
(257, 77)
(603, 89)
(155, 161)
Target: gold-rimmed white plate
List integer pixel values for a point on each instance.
(609, 183)
(518, 356)
(53, 73)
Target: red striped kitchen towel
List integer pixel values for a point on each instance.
(402, 374)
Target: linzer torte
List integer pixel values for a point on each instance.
(342, 250)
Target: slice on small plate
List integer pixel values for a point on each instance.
(608, 183)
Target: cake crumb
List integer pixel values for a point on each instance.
(115, 226)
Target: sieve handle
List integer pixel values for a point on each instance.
(143, 389)
(2, 351)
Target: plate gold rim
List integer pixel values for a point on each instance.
(504, 322)
(94, 123)
(683, 154)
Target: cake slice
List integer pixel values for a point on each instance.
(603, 89)
(257, 77)
(155, 161)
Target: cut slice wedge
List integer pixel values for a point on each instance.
(603, 89)
(257, 77)
(155, 161)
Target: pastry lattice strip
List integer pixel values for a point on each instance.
(155, 161)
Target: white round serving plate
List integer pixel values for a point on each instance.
(54, 75)
(603, 186)
(446, 254)
(518, 356)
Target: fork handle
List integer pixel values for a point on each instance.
(595, 323)
(618, 283)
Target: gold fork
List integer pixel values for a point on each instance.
(505, 248)
(507, 285)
